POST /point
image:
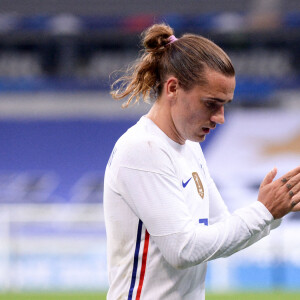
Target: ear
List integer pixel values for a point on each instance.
(172, 85)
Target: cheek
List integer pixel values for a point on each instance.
(198, 112)
(184, 112)
(191, 114)
(198, 118)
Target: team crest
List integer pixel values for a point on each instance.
(199, 184)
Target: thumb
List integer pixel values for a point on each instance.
(269, 177)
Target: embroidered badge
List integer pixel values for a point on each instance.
(199, 184)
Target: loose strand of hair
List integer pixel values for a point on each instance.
(138, 83)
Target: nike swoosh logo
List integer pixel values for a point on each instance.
(184, 184)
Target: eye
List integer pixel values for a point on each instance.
(212, 105)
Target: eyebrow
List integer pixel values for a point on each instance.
(218, 100)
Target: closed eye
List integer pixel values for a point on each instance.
(212, 105)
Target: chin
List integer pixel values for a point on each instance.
(198, 139)
(202, 139)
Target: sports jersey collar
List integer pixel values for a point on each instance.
(160, 133)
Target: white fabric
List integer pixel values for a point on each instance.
(144, 181)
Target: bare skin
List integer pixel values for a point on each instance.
(190, 115)
(275, 195)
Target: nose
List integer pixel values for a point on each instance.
(218, 116)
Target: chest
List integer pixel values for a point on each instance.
(192, 179)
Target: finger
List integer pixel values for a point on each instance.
(296, 188)
(295, 203)
(295, 192)
(285, 178)
(293, 182)
(269, 177)
(296, 207)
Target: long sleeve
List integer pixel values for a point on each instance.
(157, 200)
(163, 212)
(219, 212)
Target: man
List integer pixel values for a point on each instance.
(164, 215)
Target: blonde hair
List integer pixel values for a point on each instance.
(186, 59)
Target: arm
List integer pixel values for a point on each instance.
(152, 190)
(219, 212)
(218, 240)
(157, 200)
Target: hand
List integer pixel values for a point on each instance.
(282, 195)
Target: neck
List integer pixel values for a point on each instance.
(160, 115)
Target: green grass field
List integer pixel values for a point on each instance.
(99, 296)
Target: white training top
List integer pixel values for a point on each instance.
(158, 200)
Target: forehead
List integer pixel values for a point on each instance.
(217, 85)
(218, 80)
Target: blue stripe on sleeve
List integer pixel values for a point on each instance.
(135, 261)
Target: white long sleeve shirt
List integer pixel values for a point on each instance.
(165, 218)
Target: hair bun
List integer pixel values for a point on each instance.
(156, 37)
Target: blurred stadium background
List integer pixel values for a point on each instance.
(58, 126)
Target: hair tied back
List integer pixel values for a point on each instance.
(172, 39)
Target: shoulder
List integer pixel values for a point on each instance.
(142, 150)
